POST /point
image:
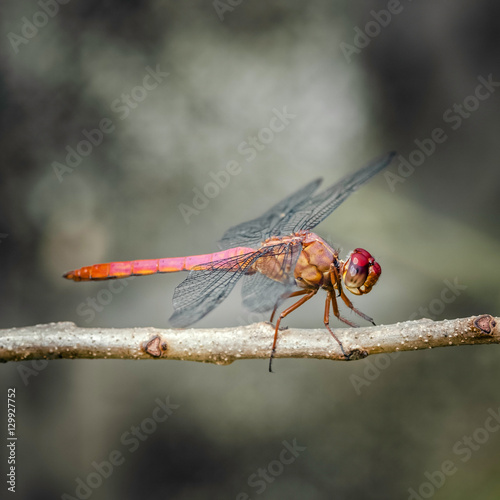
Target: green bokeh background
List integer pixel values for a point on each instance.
(226, 76)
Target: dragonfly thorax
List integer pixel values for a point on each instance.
(314, 263)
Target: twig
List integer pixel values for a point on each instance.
(223, 346)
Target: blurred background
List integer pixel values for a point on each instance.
(115, 116)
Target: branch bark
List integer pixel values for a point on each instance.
(225, 345)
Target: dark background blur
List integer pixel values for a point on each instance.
(229, 68)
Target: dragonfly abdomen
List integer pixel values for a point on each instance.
(114, 270)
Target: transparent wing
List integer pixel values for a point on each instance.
(204, 289)
(260, 293)
(252, 233)
(313, 210)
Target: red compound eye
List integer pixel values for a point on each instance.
(376, 269)
(357, 269)
(361, 271)
(364, 252)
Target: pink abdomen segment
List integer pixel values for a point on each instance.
(151, 266)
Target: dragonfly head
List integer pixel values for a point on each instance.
(360, 272)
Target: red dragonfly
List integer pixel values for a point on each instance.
(277, 256)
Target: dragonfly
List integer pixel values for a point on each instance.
(277, 256)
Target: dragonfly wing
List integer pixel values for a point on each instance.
(205, 288)
(193, 299)
(260, 293)
(252, 233)
(313, 210)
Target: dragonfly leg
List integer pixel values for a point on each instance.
(284, 314)
(349, 304)
(326, 319)
(335, 279)
(284, 297)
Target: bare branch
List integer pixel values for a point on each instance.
(223, 346)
